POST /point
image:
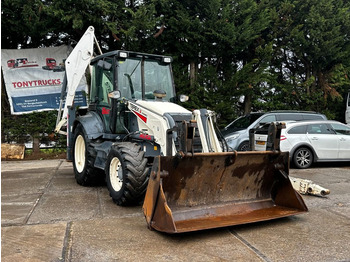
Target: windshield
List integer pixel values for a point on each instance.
(241, 123)
(157, 76)
(129, 78)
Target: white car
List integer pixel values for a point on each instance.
(236, 133)
(347, 112)
(312, 141)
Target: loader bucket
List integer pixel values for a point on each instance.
(211, 190)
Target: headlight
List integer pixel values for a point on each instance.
(183, 98)
(232, 137)
(123, 54)
(167, 60)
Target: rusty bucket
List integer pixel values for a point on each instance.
(204, 191)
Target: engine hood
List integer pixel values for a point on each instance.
(162, 108)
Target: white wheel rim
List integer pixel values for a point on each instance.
(116, 174)
(303, 158)
(79, 153)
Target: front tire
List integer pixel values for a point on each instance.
(127, 173)
(83, 159)
(244, 146)
(303, 158)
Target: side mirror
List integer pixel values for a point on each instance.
(114, 94)
(183, 98)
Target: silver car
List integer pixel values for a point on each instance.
(236, 133)
(314, 141)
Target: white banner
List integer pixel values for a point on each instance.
(34, 78)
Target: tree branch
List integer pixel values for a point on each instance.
(115, 37)
(159, 32)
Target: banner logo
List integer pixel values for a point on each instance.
(34, 78)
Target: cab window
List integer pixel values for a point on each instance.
(158, 77)
(102, 82)
(101, 86)
(129, 78)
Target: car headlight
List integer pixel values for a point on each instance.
(232, 137)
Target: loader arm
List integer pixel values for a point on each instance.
(205, 125)
(75, 65)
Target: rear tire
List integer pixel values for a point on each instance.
(303, 158)
(83, 159)
(127, 174)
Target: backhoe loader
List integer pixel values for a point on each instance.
(148, 148)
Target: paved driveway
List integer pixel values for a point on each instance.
(46, 216)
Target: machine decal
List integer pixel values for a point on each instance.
(137, 111)
(105, 111)
(145, 136)
(141, 116)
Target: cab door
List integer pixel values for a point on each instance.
(102, 85)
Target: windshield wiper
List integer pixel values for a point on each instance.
(135, 68)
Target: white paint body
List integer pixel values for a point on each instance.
(347, 112)
(151, 120)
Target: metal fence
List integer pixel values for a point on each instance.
(45, 141)
(14, 131)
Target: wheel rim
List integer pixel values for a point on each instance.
(245, 147)
(303, 158)
(116, 174)
(79, 153)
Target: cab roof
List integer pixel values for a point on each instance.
(129, 54)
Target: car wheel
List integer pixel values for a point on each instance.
(303, 157)
(244, 146)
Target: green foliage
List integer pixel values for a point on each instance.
(22, 22)
(229, 56)
(24, 128)
(312, 48)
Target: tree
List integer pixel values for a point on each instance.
(23, 23)
(230, 56)
(38, 23)
(219, 52)
(311, 53)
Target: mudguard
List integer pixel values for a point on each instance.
(92, 123)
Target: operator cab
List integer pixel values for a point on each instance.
(135, 76)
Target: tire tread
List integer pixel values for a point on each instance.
(136, 173)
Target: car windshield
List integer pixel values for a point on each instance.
(157, 76)
(241, 123)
